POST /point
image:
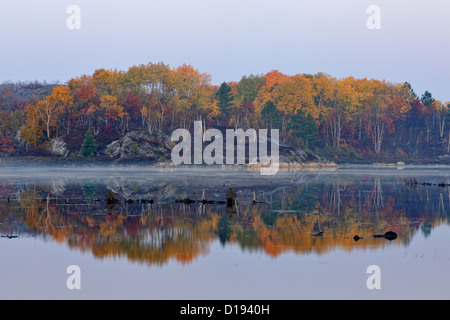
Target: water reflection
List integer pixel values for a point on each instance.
(150, 220)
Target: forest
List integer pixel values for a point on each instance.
(344, 120)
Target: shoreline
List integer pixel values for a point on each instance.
(312, 165)
(59, 161)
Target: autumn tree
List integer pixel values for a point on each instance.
(6, 124)
(52, 107)
(243, 107)
(63, 99)
(159, 83)
(112, 111)
(132, 104)
(269, 89)
(85, 97)
(294, 93)
(107, 82)
(441, 116)
(343, 108)
(194, 96)
(6, 133)
(322, 93)
(32, 129)
(7, 144)
(380, 124)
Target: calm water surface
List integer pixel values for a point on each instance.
(243, 236)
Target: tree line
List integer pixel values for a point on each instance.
(348, 117)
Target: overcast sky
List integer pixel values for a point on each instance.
(230, 38)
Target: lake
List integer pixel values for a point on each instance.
(147, 233)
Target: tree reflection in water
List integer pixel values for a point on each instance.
(311, 215)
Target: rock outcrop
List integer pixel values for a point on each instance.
(58, 147)
(142, 145)
(157, 148)
(292, 157)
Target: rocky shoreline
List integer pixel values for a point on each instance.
(282, 165)
(154, 150)
(41, 161)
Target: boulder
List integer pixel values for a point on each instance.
(58, 147)
(291, 157)
(143, 145)
(19, 139)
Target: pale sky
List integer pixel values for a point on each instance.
(230, 38)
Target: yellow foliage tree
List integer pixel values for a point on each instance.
(111, 108)
(32, 129)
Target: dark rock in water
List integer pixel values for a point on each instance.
(390, 235)
(356, 238)
(259, 202)
(319, 234)
(205, 201)
(130, 201)
(185, 201)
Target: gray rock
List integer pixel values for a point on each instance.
(18, 137)
(58, 147)
(444, 157)
(142, 145)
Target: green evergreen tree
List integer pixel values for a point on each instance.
(270, 115)
(427, 99)
(304, 127)
(89, 190)
(89, 147)
(225, 99)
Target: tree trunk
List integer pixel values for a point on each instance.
(448, 146)
(378, 135)
(318, 107)
(48, 129)
(335, 127)
(441, 127)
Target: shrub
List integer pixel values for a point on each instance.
(134, 149)
(400, 154)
